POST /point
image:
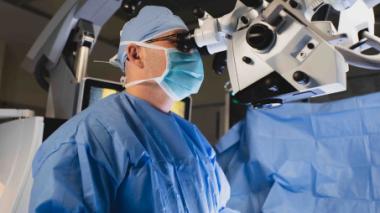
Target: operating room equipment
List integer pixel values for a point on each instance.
(59, 56)
(15, 113)
(281, 51)
(19, 141)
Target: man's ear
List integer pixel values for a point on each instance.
(134, 55)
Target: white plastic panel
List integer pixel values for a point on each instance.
(19, 140)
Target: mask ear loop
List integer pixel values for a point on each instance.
(134, 83)
(159, 79)
(152, 46)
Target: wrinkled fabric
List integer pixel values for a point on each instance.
(123, 155)
(305, 158)
(151, 22)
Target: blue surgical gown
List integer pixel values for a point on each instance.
(306, 158)
(123, 155)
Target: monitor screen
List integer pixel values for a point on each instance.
(179, 108)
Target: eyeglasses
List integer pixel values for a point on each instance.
(181, 41)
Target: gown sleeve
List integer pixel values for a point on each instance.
(77, 173)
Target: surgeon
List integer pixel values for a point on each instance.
(128, 152)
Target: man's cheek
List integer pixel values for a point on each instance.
(160, 63)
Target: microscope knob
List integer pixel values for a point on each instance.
(260, 37)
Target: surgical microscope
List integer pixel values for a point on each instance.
(287, 50)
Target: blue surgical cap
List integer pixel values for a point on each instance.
(149, 23)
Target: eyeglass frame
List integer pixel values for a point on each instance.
(178, 38)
